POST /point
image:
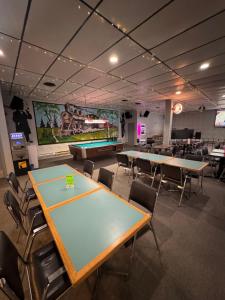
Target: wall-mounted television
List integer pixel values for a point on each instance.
(220, 118)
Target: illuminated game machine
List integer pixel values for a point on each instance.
(19, 153)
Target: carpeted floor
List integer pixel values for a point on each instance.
(191, 239)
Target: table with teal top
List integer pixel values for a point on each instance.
(94, 149)
(88, 222)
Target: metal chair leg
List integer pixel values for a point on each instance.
(154, 234)
(182, 193)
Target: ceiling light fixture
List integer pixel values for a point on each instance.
(223, 96)
(1, 52)
(204, 66)
(124, 100)
(178, 92)
(113, 59)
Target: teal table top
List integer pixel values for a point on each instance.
(187, 164)
(156, 158)
(55, 192)
(89, 225)
(51, 173)
(96, 144)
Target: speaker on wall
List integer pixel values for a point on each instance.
(128, 115)
(146, 113)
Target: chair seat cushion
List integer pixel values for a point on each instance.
(39, 220)
(30, 194)
(46, 261)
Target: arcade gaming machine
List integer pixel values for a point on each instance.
(19, 153)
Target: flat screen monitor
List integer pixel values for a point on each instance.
(220, 118)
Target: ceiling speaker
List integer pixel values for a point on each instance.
(146, 113)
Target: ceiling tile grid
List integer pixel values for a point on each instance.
(159, 47)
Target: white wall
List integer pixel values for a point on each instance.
(199, 121)
(154, 124)
(6, 164)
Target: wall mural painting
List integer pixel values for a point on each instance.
(58, 123)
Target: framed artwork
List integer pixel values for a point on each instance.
(59, 123)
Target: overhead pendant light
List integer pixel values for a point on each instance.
(1, 52)
(177, 108)
(204, 66)
(113, 59)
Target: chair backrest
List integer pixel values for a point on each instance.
(143, 194)
(106, 177)
(13, 207)
(123, 159)
(205, 151)
(9, 272)
(13, 182)
(88, 167)
(171, 173)
(166, 153)
(194, 157)
(144, 165)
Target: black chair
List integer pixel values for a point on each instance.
(106, 177)
(88, 167)
(123, 161)
(49, 278)
(25, 194)
(144, 167)
(145, 196)
(194, 157)
(174, 175)
(35, 218)
(166, 153)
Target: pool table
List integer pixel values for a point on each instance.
(94, 149)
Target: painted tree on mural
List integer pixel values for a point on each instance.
(50, 111)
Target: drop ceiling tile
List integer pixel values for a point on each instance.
(56, 81)
(96, 94)
(169, 83)
(26, 78)
(219, 78)
(20, 90)
(51, 23)
(204, 52)
(207, 73)
(92, 3)
(148, 73)
(12, 17)
(83, 91)
(38, 93)
(103, 81)
(10, 48)
(159, 79)
(34, 59)
(68, 87)
(125, 50)
(96, 36)
(64, 68)
(137, 64)
(174, 19)
(6, 73)
(117, 85)
(195, 37)
(194, 68)
(86, 75)
(128, 14)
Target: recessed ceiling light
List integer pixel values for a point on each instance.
(223, 96)
(204, 66)
(50, 84)
(1, 52)
(138, 103)
(124, 100)
(178, 92)
(113, 59)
